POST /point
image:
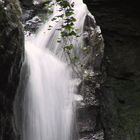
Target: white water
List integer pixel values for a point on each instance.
(48, 112)
(48, 97)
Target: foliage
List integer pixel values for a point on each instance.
(67, 29)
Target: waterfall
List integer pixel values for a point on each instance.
(48, 97)
(46, 110)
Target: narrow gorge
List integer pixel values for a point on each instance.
(69, 70)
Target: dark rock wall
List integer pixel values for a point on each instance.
(26, 3)
(11, 55)
(120, 93)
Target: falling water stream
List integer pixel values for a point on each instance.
(48, 97)
(47, 106)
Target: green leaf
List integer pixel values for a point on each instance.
(72, 33)
(68, 47)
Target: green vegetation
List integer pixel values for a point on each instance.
(67, 29)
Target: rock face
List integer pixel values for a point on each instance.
(120, 92)
(11, 54)
(88, 111)
(26, 3)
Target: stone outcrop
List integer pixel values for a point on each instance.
(11, 55)
(88, 110)
(120, 92)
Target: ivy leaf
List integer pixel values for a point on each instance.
(72, 33)
(68, 47)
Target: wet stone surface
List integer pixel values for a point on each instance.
(120, 94)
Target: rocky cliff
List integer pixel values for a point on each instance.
(120, 92)
(88, 111)
(11, 55)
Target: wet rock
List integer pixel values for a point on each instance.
(30, 12)
(27, 15)
(33, 24)
(88, 112)
(120, 94)
(33, 17)
(97, 136)
(11, 55)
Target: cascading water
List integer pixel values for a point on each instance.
(48, 97)
(47, 105)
